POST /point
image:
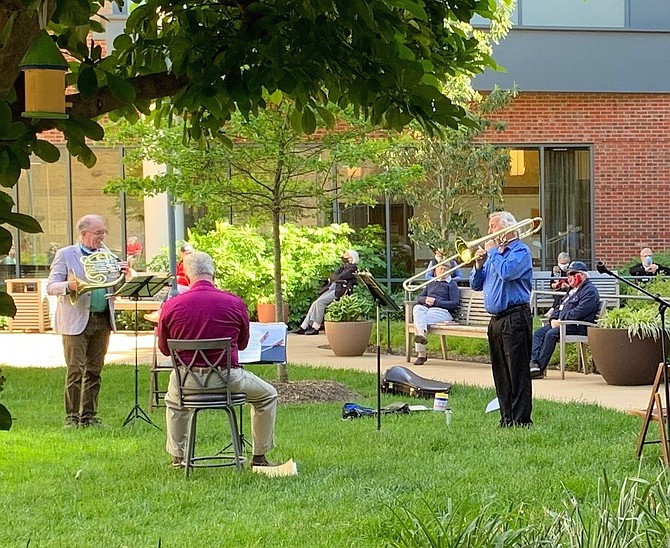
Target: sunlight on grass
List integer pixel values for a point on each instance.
(113, 487)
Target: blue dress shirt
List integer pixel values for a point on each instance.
(506, 277)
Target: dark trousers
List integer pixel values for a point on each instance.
(85, 357)
(510, 346)
(544, 343)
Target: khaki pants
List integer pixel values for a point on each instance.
(261, 395)
(85, 357)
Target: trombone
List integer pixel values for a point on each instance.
(465, 251)
(98, 267)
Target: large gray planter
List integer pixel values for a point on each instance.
(622, 361)
(348, 338)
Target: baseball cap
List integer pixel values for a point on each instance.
(577, 266)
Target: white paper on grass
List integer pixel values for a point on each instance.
(262, 335)
(493, 405)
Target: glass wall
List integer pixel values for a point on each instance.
(60, 193)
(568, 202)
(43, 194)
(553, 183)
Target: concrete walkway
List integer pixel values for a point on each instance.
(45, 350)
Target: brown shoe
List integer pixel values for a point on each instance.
(260, 460)
(420, 360)
(420, 339)
(177, 462)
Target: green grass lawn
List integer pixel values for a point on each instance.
(113, 487)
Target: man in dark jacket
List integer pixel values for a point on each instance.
(438, 302)
(340, 283)
(581, 303)
(647, 267)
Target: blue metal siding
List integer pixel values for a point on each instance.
(581, 60)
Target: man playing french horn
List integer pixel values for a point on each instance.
(82, 276)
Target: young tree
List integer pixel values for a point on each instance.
(271, 173)
(463, 175)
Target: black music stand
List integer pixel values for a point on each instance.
(146, 285)
(382, 300)
(663, 305)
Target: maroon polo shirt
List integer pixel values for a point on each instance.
(205, 312)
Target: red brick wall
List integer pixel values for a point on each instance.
(630, 134)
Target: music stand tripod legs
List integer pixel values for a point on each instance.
(137, 412)
(146, 285)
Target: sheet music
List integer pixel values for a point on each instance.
(262, 335)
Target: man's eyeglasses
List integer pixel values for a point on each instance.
(97, 232)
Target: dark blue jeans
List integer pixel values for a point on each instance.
(544, 343)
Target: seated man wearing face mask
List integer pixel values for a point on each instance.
(559, 281)
(581, 303)
(647, 267)
(438, 302)
(341, 282)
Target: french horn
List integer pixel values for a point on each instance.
(99, 266)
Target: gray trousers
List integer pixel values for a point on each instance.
(318, 309)
(423, 317)
(85, 357)
(261, 395)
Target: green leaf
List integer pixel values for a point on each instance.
(6, 237)
(87, 82)
(327, 117)
(14, 131)
(295, 119)
(24, 222)
(91, 128)
(308, 121)
(5, 117)
(45, 150)
(5, 416)
(12, 170)
(121, 88)
(7, 306)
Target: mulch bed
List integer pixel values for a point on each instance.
(314, 392)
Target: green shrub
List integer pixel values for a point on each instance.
(244, 264)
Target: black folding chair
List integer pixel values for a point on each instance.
(202, 368)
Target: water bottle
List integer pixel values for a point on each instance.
(447, 416)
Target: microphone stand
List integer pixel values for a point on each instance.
(662, 307)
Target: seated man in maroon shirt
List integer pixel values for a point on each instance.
(205, 312)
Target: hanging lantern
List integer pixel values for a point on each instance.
(44, 66)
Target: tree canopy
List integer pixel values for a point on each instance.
(199, 61)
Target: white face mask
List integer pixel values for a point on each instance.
(563, 266)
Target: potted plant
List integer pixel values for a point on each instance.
(266, 310)
(347, 327)
(626, 345)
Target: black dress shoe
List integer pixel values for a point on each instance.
(537, 374)
(299, 331)
(312, 331)
(420, 360)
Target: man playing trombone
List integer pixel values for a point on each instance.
(504, 271)
(84, 315)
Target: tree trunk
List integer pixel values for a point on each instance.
(282, 369)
